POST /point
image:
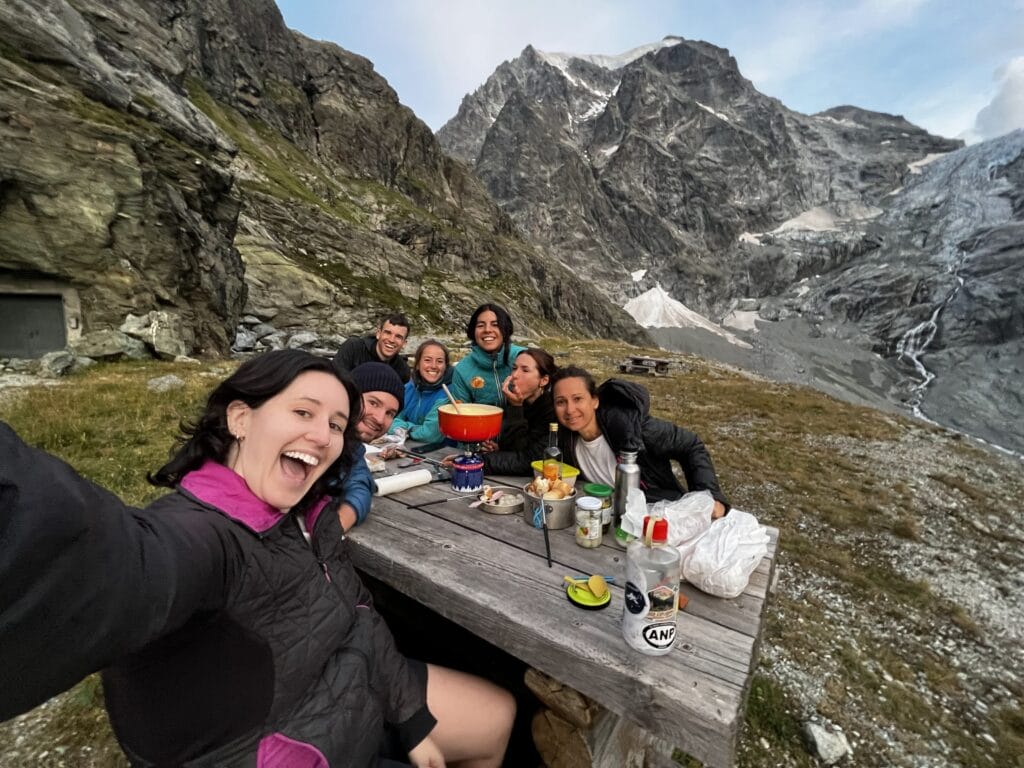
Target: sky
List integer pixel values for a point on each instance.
(953, 67)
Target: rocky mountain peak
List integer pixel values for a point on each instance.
(667, 160)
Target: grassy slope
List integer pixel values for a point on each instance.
(804, 462)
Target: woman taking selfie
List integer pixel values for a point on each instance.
(423, 394)
(527, 415)
(478, 377)
(602, 422)
(230, 624)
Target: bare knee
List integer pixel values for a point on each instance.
(475, 717)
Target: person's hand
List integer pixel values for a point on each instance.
(426, 755)
(718, 510)
(513, 397)
(449, 461)
(388, 452)
(488, 446)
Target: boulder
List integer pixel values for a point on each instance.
(165, 383)
(303, 340)
(829, 746)
(109, 345)
(166, 333)
(56, 364)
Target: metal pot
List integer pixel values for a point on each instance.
(561, 513)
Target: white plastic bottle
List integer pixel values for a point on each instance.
(652, 591)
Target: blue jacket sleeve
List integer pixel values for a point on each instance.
(357, 488)
(429, 431)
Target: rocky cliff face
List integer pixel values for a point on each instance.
(661, 158)
(935, 288)
(667, 161)
(203, 160)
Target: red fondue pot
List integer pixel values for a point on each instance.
(474, 423)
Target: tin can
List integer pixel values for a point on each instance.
(468, 474)
(588, 521)
(604, 493)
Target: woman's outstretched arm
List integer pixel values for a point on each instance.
(84, 578)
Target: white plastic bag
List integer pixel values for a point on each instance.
(725, 556)
(636, 509)
(688, 517)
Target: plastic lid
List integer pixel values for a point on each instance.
(588, 502)
(597, 489)
(659, 535)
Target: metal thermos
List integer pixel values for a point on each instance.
(627, 476)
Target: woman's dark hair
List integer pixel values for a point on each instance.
(575, 372)
(504, 325)
(256, 381)
(545, 363)
(416, 378)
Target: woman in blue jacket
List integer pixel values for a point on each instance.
(479, 376)
(423, 394)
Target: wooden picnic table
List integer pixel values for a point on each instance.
(644, 365)
(488, 573)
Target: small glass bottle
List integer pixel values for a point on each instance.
(552, 466)
(651, 600)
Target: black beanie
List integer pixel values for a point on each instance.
(379, 377)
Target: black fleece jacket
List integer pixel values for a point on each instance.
(626, 422)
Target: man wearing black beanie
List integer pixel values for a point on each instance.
(383, 397)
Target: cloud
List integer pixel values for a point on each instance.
(1005, 112)
(801, 31)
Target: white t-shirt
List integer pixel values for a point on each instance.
(596, 459)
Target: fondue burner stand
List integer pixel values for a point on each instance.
(468, 470)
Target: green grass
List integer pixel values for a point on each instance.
(795, 456)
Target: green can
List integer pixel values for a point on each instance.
(604, 493)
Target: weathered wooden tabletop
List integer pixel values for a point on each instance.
(488, 573)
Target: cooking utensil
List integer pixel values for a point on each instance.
(451, 399)
(494, 497)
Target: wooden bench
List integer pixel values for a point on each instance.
(488, 574)
(645, 366)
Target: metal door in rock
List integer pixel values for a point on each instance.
(31, 324)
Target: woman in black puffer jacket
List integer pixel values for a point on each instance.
(602, 422)
(228, 618)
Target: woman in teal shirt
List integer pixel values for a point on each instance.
(478, 377)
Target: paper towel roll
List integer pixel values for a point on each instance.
(400, 482)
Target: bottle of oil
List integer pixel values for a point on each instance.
(652, 591)
(552, 467)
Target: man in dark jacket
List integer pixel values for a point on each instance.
(383, 346)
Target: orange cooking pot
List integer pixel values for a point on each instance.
(474, 422)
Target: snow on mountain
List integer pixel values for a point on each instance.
(656, 309)
(561, 60)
